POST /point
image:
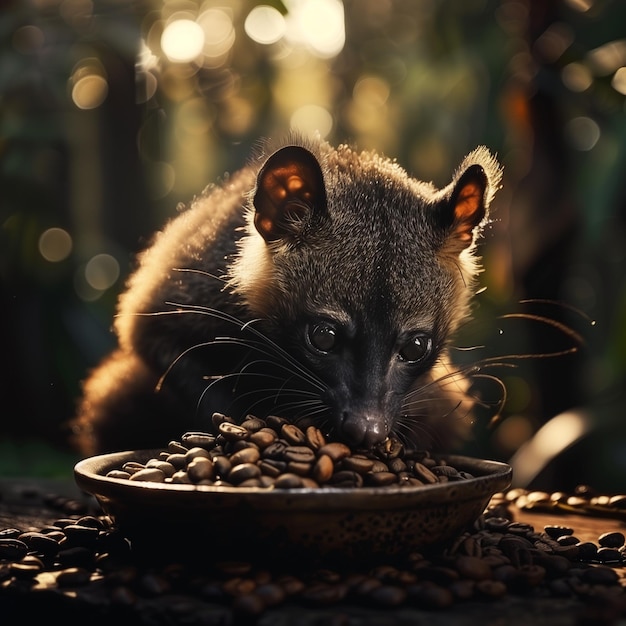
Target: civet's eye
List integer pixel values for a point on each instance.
(416, 349)
(322, 337)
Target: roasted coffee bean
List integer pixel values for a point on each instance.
(245, 455)
(232, 432)
(192, 453)
(346, 478)
(243, 471)
(167, 468)
(611, 540)
(78, 535)
(558, 531)
(119, 474)
(73, 577)
(335, 450)
(177, 459)
(424, 474)
(293, 435)
(609, 555)
(381, 479)
(148, 474)
(263, 437)
(200, 468)
(568, 540)
(299, 454)
(40, 543)
(175, 447)
(288, 481)
(25, 571)
(301, 469)
(221, 466)
(12, 549)
(253, 424)
(315, 438)
(472, 567)
(323, 469)
(200, 439)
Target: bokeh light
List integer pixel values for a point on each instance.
(619, 81)
(89, 84)
(311, 119)
(576, 77)
(583, 133)
(182, 40)
(317, 24)
(265, 25)
(219, 34)
(102, 271)
(55, 244)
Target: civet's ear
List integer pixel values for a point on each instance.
(466, 205)
(290, 189)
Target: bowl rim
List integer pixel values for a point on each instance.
(490, 477)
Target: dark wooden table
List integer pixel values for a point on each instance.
(33, 504)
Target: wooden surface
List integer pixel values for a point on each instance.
(29, 505)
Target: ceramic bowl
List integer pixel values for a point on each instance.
(240, 523)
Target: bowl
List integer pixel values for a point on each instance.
(256, 523)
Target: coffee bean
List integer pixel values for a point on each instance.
(491, 588)
(24, 571)
(148, 474)
(293, 435)
(323, 469)
(263, 437)
(558, 531)
(567, 540)
(40, 543)
(388, 595)
(200, 439)
(73, 577)
(246, 455)
(118, 474)
(358, 463)
(175, 447)
(232, 432)
(424, 474)
(335, 450)
(192, 453)
(609, 555)
(587, 551)
(288, 481)
(12, 549)
(299, 454)
(472, 567)
(600, 575)
(253, 424)
(618, 502)
(200, 468)
(243, 471)
(315, 438)
(167, 468)
(611, 540)
(381, 479)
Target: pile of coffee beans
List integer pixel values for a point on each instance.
(583, 501)
(85, 558)
(274, 453)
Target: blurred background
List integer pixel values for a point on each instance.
(112, 113)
